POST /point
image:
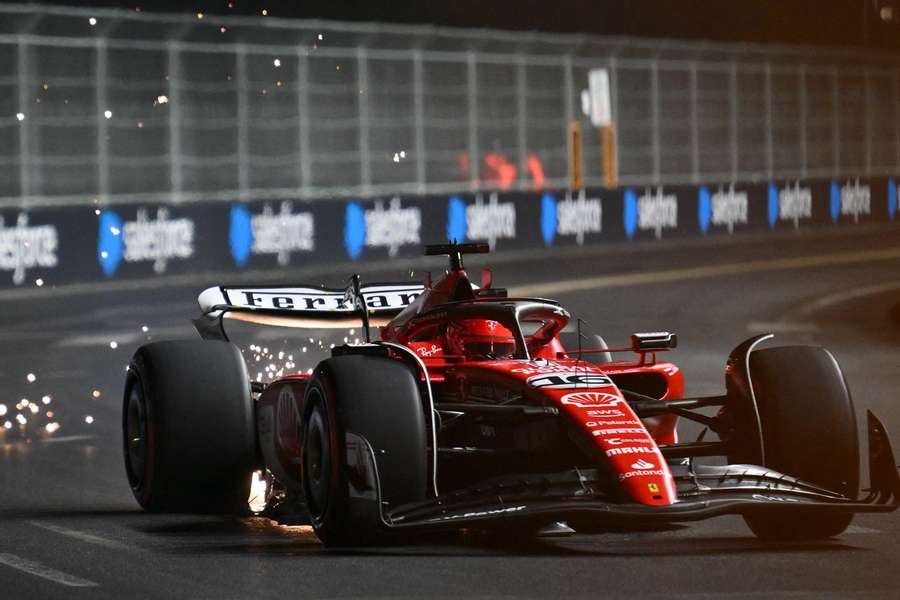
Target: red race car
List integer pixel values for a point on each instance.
(479, 410)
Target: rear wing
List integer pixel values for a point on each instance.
(303, 305)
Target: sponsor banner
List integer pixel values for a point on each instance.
(83, 244)
(573, 216)
(723, 208)
(486, 217)
(388, 227)
(280, 231)
(154, 237)
(27, 249)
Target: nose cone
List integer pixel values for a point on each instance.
(624, 442)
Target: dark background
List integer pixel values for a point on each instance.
(861, 23)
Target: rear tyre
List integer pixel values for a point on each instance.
(809, 432)
(187, 422)
(354, 403)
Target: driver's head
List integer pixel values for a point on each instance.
(480, 338)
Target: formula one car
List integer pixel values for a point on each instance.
(482, 411)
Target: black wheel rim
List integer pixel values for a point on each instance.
(317, 461)
(135, 433)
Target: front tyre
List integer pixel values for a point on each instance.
(187, 423)
(361, 411)
(809, 432)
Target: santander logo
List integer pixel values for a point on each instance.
(642, 465)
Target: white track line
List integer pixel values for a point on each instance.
(782, 327)
(552, 288)
(861, 529)
(67, 438)
(35, 568)
(81, 536)
(848, 295)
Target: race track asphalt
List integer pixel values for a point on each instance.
(69, 527)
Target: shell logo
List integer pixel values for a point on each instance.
(591, 399)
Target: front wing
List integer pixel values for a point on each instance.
(582, 495)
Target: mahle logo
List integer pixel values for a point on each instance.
(24, 247)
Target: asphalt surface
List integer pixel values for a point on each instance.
(69, 527)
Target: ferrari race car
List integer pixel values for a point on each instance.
(482, 411)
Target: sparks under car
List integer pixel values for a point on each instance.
(479, 410)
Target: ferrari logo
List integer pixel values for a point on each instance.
(653, 488)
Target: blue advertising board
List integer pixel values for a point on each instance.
(52, 246)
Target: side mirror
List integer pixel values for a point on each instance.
(487, 278)
(657, 340)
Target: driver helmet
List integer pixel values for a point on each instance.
(480, 338)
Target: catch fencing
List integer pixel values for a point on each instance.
(110, 106)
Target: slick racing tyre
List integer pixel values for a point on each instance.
(187, 422)
(809, 432)
(361, 409)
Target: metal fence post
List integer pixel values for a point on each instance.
(770, 124)
(867, 123)
(569, 83)
(305, 171)
(243, 122)
(175, 166)
(733, 119)
(835, 121)
(804, 125)
(614, 109)
(695, 134)
(22, 72)
(362, 79)
(472, 91)
(654, 121)
(419, 120)
(522, 119)
(896, 120)
(102, 127)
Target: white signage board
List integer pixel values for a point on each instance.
(600, 105)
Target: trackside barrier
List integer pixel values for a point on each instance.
(54, 246)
